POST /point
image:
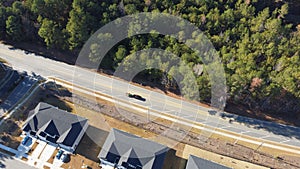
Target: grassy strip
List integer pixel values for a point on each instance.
(2, 60)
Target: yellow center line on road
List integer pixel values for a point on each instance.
(60, 72)
(218, 131)
(196, 112)
(57, 69)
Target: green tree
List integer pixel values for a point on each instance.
(130, 9)
(96, 50)
(38, 7)
(17, 8)
(52, 34)
(77, 28)
(3, 17)
(121, 53)
(288, 76)
(14, 28)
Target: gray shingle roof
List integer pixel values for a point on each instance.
(133, 150)
(200, 163)
(63, 126)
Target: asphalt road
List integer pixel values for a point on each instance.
(11, 78)
(19, 91)
(286, 135)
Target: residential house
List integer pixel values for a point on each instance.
(56, 126)
(200, 163)
(122, 150)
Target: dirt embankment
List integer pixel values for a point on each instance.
(173, 131)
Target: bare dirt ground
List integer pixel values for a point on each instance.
(9, 133)
(103, 112)
(2, 60)
(11, 128)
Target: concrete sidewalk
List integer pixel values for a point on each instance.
(32, 160)
(8, 149)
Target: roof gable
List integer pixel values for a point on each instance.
(73, 133)
(199, 163)
(50, 128)
(134, 150)
(60, 126)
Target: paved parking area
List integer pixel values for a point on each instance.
(19, 91)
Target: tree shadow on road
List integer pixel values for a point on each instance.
(273, 127)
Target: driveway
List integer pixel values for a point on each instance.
(47, 153)
(23, 149)
(57, 163)
(37, 151)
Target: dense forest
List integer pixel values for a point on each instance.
(259, 47)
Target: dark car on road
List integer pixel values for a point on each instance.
(135, 96)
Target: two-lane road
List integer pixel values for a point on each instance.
(45, 67)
